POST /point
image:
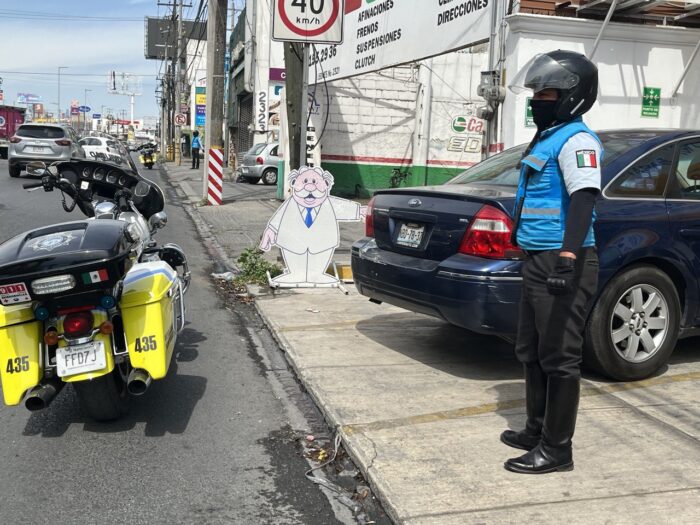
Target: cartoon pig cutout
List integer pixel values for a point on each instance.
(305, 227)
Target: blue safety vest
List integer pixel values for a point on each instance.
(546, 201)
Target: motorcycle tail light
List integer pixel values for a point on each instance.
(77, 324)
(369, 219)
(259, 160)
(55, 284)
(63, 142)
(106, 328)
(489, 235)
(51, 337)
(15, 139)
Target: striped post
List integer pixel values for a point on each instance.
(215, 174)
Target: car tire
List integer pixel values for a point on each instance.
(250, 180)
(14, 170)
(620, 342)
(269, 177)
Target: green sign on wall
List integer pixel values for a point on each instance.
(529, 121)
(651, 101)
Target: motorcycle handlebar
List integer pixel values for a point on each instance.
(32, 185)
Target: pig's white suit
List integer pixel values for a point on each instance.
(307, 250)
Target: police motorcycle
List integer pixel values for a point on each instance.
(148, 155)
(97, 302)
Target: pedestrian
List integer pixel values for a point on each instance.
(554, 214)
(196, 146)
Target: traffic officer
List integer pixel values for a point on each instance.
(554, 214)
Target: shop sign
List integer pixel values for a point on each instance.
(383, 33)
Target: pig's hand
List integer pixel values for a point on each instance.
(268, 239)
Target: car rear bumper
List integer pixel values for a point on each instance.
(253, 172)
(23, 160)
(471, 292)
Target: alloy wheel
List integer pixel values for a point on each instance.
(639, 323)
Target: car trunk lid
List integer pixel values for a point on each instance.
(430, 222)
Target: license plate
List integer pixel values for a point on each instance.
(244, 169)
(410, 235)
(79, 359)
(37, 149)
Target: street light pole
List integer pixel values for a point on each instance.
(85, 112)
(58, 118)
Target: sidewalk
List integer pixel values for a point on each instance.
(420, 405)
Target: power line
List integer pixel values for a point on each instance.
(49, 73)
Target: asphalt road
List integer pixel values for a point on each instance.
(214, 442)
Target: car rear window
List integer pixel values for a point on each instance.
(256, 149)
(502, 169)
(40, 132)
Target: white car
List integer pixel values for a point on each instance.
(100, 148)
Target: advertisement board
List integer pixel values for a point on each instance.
(382, 33)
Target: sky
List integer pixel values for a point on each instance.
(33, 40)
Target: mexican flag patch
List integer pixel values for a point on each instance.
(586, 158)
(95, 277)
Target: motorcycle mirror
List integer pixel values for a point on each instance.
(36, 167)
(158, 220)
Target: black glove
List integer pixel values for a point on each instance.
(561, 280)
(48, 182)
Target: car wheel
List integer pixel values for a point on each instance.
(633, 328)
(269, 177)
(15, 170)
(252, 180)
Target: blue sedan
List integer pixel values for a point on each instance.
(445, 250)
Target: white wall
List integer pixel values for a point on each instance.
(629, 58)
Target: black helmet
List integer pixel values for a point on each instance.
(571, 73)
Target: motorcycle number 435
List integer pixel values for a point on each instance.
(146, 343)
(17, 365)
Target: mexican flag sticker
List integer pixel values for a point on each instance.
(585, 158)
(95, 277)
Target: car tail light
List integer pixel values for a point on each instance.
(259, 160)
(369, 219)
(77, 324)
(489, 235)
(63, 142)
(15, 139)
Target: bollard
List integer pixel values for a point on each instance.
(215, 186)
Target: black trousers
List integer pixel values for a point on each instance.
(195, 157)
(550, 327)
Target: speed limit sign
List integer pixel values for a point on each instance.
(308, 21)
(180, 119)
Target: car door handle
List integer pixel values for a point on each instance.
(690, 233)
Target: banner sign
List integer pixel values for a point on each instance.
(385, 33)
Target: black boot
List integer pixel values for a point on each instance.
(554, 451)
(535, 402)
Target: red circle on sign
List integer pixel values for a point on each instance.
(304, 32)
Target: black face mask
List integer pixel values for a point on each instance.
(543, 113)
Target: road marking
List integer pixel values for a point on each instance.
(487, 408)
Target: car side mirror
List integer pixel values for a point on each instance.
(158, 221)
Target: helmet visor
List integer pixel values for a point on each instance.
(543, 72)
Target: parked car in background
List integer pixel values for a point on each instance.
(260, 162)
(445, 250)
(11, 117)
(96, 147)
(42, 142)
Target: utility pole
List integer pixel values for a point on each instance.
(296, 113)
(178, 83)
(216, 49)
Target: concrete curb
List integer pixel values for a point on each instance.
(332, 418)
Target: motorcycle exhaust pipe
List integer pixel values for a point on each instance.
(41, 396)
(138, 382)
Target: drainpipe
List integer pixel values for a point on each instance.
(421, 141)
